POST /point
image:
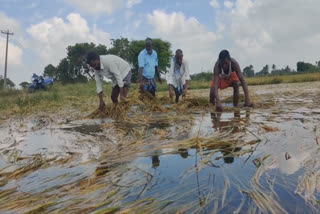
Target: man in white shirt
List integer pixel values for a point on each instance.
(114, 68)
(178, 77)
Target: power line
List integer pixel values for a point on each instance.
(6, 59)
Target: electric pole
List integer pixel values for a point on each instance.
(5, 64)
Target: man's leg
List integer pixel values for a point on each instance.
(115, 94)
(212, 96)
(126, 91)
(235, 85)
(177, 94)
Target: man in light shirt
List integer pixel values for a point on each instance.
(148, 67)
(178, 77)
(114, 68)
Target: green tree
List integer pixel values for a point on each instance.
(264, 71)
(161, 47)
(304, 67)
(63, 73)
(120, 47)
(273, 67)
(248, 71)
(24, 84)
(10, 84)
(76, 57)
(287, 69)
(50, 71)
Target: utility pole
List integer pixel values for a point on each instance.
(5, 64)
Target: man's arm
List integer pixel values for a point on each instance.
(171, 93)
(187, 78)
(140, 77)
(215, 87)
(156, 68)
(113, 69)
(158, 74)
(141, 66)
(243, 83)
(98, 79)
(170, 80)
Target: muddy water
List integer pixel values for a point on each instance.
(257, 160)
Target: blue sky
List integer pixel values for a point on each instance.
(256, 32)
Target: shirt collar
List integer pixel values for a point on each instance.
(147, 52)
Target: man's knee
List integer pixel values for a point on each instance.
(235, 85)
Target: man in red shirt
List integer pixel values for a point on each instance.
(227, 73)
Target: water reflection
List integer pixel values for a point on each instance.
(227, 123)
(155, 161)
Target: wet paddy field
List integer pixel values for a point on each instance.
(172, 159)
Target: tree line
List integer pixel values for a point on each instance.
(248, 71)
(73, 68)
(302, 67)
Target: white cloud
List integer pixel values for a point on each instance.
(196, 41)
(214, 3)
(98, 6)
(103, 6)
(228, 4)
(243, 7)
(131, 3)
(271, 32)
(51, 37)
(14, 52)
(8, 23)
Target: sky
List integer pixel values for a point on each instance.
(256, 32)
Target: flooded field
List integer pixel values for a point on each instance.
(169, 160)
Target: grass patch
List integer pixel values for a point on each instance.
(82, 96)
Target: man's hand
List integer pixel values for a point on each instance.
(102, 106)
(218, 106)
(171, 94)
(122, 98)
(141, 85)
(184, 92)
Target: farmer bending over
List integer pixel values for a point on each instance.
(178, 78)
(114, 68)
(148, 67)
(227, 73)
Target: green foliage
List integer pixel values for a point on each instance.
(307, 67)
(248, 71)
(73, 68)
(203, 76)
(276, 81)
(10, 84)
(50, 71)
(284, 71)
(120, 47)
(264, 71)
(24, 84)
